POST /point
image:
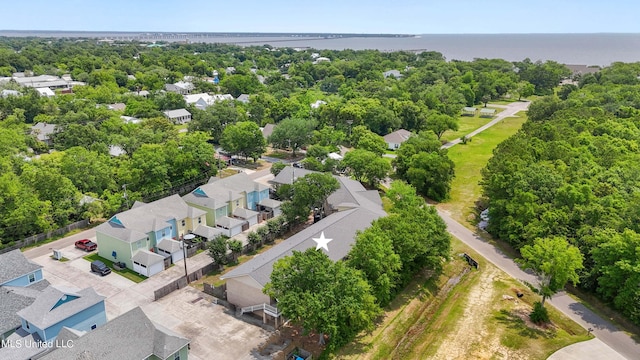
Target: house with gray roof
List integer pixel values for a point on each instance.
(353, 208)
(267, 130)
(54, 308)
(43, 131)
(180, 87)
(396, 138)
(6, 93)
(131, 336)
(243, 98)
(392, 73)
(178, 116)
(221, 197)
(14, 299)
(143, 229)
(17, 270)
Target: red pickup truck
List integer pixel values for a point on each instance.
(86, 245)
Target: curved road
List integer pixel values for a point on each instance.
(603, 329)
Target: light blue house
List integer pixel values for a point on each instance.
(54, 308)
(16, 270)
(221, 199)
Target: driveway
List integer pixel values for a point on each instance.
(214, 333)
(609, 335)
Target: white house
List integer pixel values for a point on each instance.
(178, 116)
(396, 138)
(45, 91)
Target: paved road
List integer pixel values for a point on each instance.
(509, 110)
(603, 329)
(46, 249)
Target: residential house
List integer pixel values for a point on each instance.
(45, 81)
(43, 132)
(221, 198)
(117, 106)
(396, 138)
(130, 119)
(321, 59)
(243, 98)
(131, 336)
(392, 73)
(203, 100)
(147, 234)
(6, 93)
(354, 208)
(17, 273)
(55, 308)
(230, 70)
(267, 130)
(16, 270)
(179, 116)
(46, 92)
(180, 87)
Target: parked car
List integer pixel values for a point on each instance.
(99, 267)
(86, 245)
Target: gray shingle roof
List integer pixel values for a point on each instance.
(147, 258)
(14, 299)
(144, 218)
(270, 203)
(170, 246)
(43, 130)
(131, 336)
(398, 136)
(229, 222)
(267, 130)
(43, 314)
(172, 114)
(244, 213)
(208, 232)
(340, 226)
(14, 264)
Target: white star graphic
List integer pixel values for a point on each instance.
(322, 242)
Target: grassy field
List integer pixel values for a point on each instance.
(469, 160)
(467, 124)
(463, 314)
(127, 273)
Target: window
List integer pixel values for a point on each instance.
(163, 233)
(32, 278)
(176, 356)
(94, 326)
(27, 324)
(200, 220)
(184, 223)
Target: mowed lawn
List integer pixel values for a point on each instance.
(467, 124)
(470, 159)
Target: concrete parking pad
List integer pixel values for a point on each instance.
(214, 333)
(593, 349)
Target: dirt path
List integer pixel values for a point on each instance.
(471, 338)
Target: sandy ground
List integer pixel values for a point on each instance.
(471, 338)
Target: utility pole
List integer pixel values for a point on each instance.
(125, 195)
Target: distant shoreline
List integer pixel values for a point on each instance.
(599, 49)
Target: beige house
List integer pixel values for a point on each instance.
(354, 208)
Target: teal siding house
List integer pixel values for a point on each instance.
(147, 234)
(53, 309)
(16, 270)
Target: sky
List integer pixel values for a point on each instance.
(325, 16)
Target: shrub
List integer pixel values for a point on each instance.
(539, 315)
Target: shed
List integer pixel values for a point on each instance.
(231, 225)
(486, 112)
(469, 111)
(245, 214)
(173, 248)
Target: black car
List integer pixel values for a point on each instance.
(100, 268)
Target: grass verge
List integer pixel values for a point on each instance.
(469, 160)
(127, 273)
(467, 124)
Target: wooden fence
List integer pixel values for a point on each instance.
(182, 282)
(31, 240)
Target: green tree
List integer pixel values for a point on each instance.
(366, 166)
(277, 167)
(431, 174)
(554, 261)
(218, 250)
(244, 138)
(318, 294)
(365, 139)
(440, 123)
(292, 133)
(373, 254)
(236, 248)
